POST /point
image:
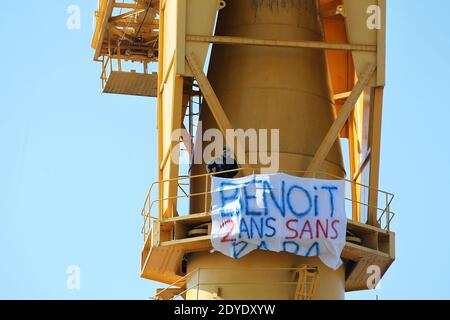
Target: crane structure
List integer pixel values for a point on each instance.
(314, 69)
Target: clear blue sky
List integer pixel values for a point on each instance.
(75, 165)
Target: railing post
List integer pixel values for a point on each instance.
(109, 56)
(145, 219)
(119, 58)
(388, 214)
(147, 212)
(198, 283)
(206, 193)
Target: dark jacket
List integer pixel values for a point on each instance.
(220, 164)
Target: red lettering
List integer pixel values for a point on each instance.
(292, 229)
(226, 237)
(334, 229)
(319, 227)
(309, 230)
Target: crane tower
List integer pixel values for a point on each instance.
(314, 70)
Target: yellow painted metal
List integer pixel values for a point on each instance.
(307, 282)
(217, 111)
(167, 240)
(345, 27)
(280, 43)
(200, 19)
(131, 83)
(342, 118)
(160, 263)
(170, 97)
(365, 123)
(296, 283)
(355, 12)
(273, 88)
(217, 270)
(132, 34)
(129, 34)
(259, 83)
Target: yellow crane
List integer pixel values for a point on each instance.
(313, 69)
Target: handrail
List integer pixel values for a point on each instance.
(108, 67)
(146, 212)
(392, 214)
(105, 74)
(183, 278)
(199, 282)
(282, 171)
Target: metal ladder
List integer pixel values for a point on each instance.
(308, 277)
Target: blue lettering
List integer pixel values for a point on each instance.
(247, 198)
(316, 203)
(274, 231)
(281, 207)
(260, 230)
(316, 246)
(236, 254)
(228, 198)
(299, 214)
(263, 246)
(243, 228)
(330, 190)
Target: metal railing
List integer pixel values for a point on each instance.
(152, 206)
(108, 66)
(292, 283)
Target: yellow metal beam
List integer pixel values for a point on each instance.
(340, 121)
(381, 46)
(105, 14)
(213, 102)
(128, 5)
(208, 92)
(342, 96)
(159, 114)
(281, 43)
(121, 33)
(362, 166)
(375, 146)
(126, 15)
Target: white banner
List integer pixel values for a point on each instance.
(279, 213)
